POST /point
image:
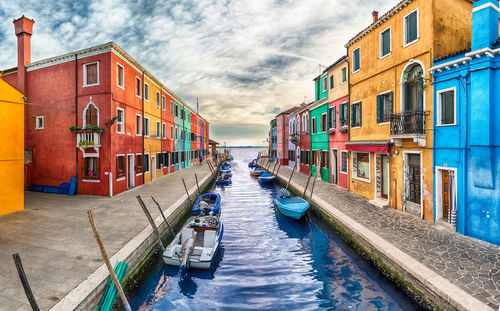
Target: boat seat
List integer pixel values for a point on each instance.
(187, 233)
(209, 238)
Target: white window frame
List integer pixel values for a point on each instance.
(122, 122)
(325, 85)
(146, 93)
(84, 119)
(377, 155)
(140, 125)
(139, 174)
(149, 162)
(164, 131)
(355, 173)
(164, 102)
(314, 124)
(171, 107)
(342, 81)
(354, 71)
(326, 123)
(36, 122)
(135, 87)
(439, 109)
(349, 114)
(382, 42)
(439, 189)
(383, 93)
(171, 132)
(148, 127)
(347, 164)
(404, 29)
(158, 129)
(85, 84)
(330, 78)
(118, 65)
(116, 157)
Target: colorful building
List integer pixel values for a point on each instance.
(12, 166)
(319, 132)
(273, 140)
(179, 142)
(338, 124)
(390, 100)
(304, 139)
(466, 147)
(293, 138)
(283, 135)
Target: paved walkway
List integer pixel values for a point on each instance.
(468, 263)
(55, 241)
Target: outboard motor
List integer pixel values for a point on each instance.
(284, 193)
(186, 250)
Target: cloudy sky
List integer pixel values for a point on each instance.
(244, 59)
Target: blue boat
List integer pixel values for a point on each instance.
(224, 179)
(206, 203)
(294, 207)
(257, 171)
(266, 178)
(253, 163)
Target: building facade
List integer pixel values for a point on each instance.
(293, 139)
(304, 139)
(320, 159)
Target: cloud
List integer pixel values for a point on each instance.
(244, 59)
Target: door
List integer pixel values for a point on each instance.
(446, 192)
(131, 171)
(153, 168)
(334, 167)
(384, 193)
(414, 178)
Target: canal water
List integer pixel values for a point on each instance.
(270, 262)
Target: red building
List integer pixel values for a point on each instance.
(304, 148)
(84, 116)
(282, 135)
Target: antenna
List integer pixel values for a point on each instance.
(197, 106)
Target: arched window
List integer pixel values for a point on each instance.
(413, 92)
(90, 115)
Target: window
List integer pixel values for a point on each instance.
(385, 42)
(344, 75)
(313, 124)
(183, 114)
(164, 103)
(446, 107)
(90, 169)
(91, 116)
(40, 124)
(159, 160)
(138, 125)
(361, 165)
(411, 28)
(302, 157)
(120, 120)
(324, 159)
(137, 87)
(176, 110)
(146, 163)
(325, 83)
(313, 155)
(146, 91)
(356, 114)
(176, 133)
(172, 108)
(91, 74)
(384, 107)
(413, 94)
(146, 126)
(120, 76)
(331, 82)
(164, 130)
(344, 158)
(356, 61)
(158, 129)
(171, 132)
(158, 100)
(332, 117)
(323, 122)
(120, 166)
(165, 159)
(139, 166)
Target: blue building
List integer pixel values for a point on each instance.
(466, 131)
(274, 141)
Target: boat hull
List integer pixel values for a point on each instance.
(294, 208)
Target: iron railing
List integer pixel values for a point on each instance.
(409, 122)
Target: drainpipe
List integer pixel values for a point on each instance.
(143, 134)
(76, 117)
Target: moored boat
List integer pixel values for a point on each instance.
(257, 171)
(266, 178)
(224, 179)
(207, 203)
(294, 207)
(253, 163)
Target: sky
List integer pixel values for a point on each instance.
(245, 60)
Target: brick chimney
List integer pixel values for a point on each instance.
(375, 16)
(23, 28)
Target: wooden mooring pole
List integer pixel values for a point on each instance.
(197, 185)
(24, 281)
(277, 171)
(187, 192)
(291, 175)
(163, 215)
(274, 166)
(307, 184)
(108, 264)
(312, 189)
(151, 221)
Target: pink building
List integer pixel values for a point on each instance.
(282, 135)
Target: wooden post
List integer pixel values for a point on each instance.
(187, 192)
(291, 175)
(24, 281)
(312, 189)
(274, 167)
(108, 264)
(151, 221)
(197, 185)
(308, 178)
(163, 215)
(210, 167)
(277, 171)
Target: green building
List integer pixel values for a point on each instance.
(319, 130)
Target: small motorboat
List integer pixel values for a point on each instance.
(197, 244)
(207, 204)
(253, 163)
(257, 171)
(266, 178)
(224, 179)
(225, 165)
(294, 207)
(229, 158)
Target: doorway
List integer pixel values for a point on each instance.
(412, 183)
(131, 171)
(446, 195)
(153, 168)
(335, 175)
(384, 191)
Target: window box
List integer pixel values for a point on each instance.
(343, 130)
(331, 131)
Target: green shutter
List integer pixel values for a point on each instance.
(329, 118)
(360, 114)
(420, 94)
(380, 108)
(341, 114)
(406, 97)
(353, 115)
(389, 110)
(334, 117)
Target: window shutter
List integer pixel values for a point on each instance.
(406, 97)
(329, 117)
(353, 115)
(341, 114)
(334, 117)
(380, 108)
(360, 115)
(389, 110)
(412, 21)
(117, 166)
(420, 94)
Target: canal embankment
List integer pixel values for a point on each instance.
(59, 253)
(439, 268)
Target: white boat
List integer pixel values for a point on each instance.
(197, 244)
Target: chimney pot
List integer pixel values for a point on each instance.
(23, 27)
(375, 16)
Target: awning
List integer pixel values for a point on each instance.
(370, 146)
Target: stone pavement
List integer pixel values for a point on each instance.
(468, 263)
(55, 241)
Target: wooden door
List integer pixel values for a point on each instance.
(446, 192)
(414, 178)
(334, 167)
(384, 193)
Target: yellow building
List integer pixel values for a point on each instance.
(12, 149)
(391, 100)
(152, 129)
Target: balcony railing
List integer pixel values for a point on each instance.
(87, 139)
(408, 123)
(295, 139)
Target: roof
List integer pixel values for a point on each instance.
(338, 61)
(289, 111)
(445, 56)
(212, 142)
(381, 20)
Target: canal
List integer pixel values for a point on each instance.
(269, 262)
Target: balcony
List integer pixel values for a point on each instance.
(88, 139)
(408, 125)
(295, 139)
